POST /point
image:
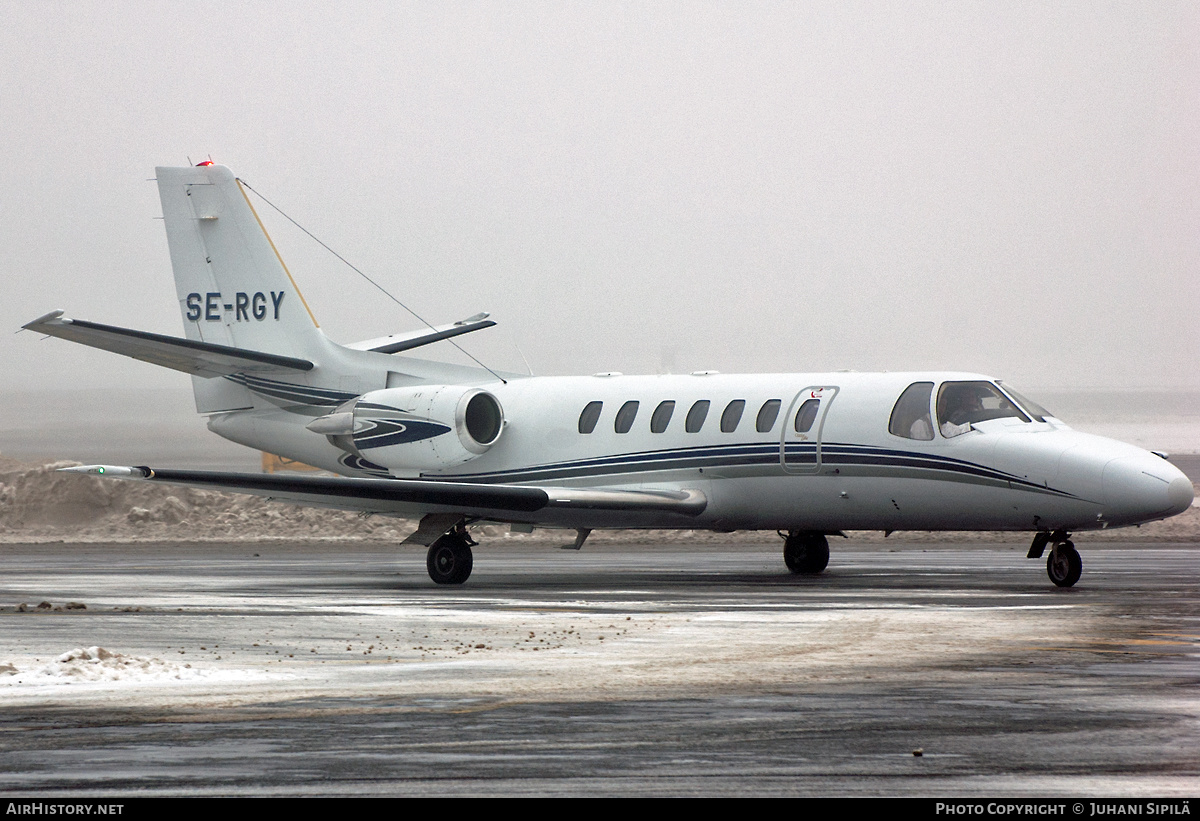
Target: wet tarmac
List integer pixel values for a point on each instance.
(326, 669)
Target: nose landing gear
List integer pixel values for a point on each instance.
(1063, 565)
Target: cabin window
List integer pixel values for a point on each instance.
(962, 404)
(589, 417)
(625, 417)
(661, 416)
(767, 415)
(910, 417)
(696, 416)
(807, 415)
(732, 415)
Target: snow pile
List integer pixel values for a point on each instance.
(39, 504)
(99, 664)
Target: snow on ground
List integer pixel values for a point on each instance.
(97, 665)
(523, 652)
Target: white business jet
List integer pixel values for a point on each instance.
(805, 454)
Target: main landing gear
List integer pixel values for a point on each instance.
(805, 551)
(1063, 565)
(449, 559)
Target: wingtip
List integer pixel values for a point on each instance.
(44, 318)
(117, 471)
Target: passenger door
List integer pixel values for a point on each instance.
(800, 438)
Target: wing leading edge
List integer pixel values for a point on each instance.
(406, 496)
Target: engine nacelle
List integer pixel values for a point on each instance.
(427, 427)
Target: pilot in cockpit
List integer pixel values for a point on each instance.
(962, 405)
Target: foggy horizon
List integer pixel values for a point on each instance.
(1006, 189)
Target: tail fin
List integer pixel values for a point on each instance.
(233, 288)
(232, 285)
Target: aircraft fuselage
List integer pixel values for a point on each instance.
(847, 472)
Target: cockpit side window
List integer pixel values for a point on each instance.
(962, 404)
(910, 417)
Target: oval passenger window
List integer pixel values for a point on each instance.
(696, 416)
(807, 415)
(625, 417)
(732, 415)
(661, 416)
(589, 417)
(767, 415)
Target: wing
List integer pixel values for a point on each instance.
(197, 358)
(418, 497)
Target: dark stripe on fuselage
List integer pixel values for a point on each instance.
(863, 459)
(290, 392)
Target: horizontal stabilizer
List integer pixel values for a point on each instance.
(406, 342)
(381, 495)
(190, 356)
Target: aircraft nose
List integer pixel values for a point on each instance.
(1180, 493)
(1139, 489)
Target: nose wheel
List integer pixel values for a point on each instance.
(1063, 565)
(805, 552)
(449, 559)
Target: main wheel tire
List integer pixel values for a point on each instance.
(806, 552)
(1064, 565)
(449, 560)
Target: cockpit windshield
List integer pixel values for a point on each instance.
(1033, 408)
(962, 404)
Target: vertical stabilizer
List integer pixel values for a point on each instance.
(233, 287)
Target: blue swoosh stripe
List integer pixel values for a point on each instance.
(385, 433)
(302, 394)
(750, 455)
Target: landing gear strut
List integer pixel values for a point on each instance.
(449, 559)
(805, 552)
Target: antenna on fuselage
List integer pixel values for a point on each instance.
(523, 359)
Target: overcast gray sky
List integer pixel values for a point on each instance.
(1007, 187)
